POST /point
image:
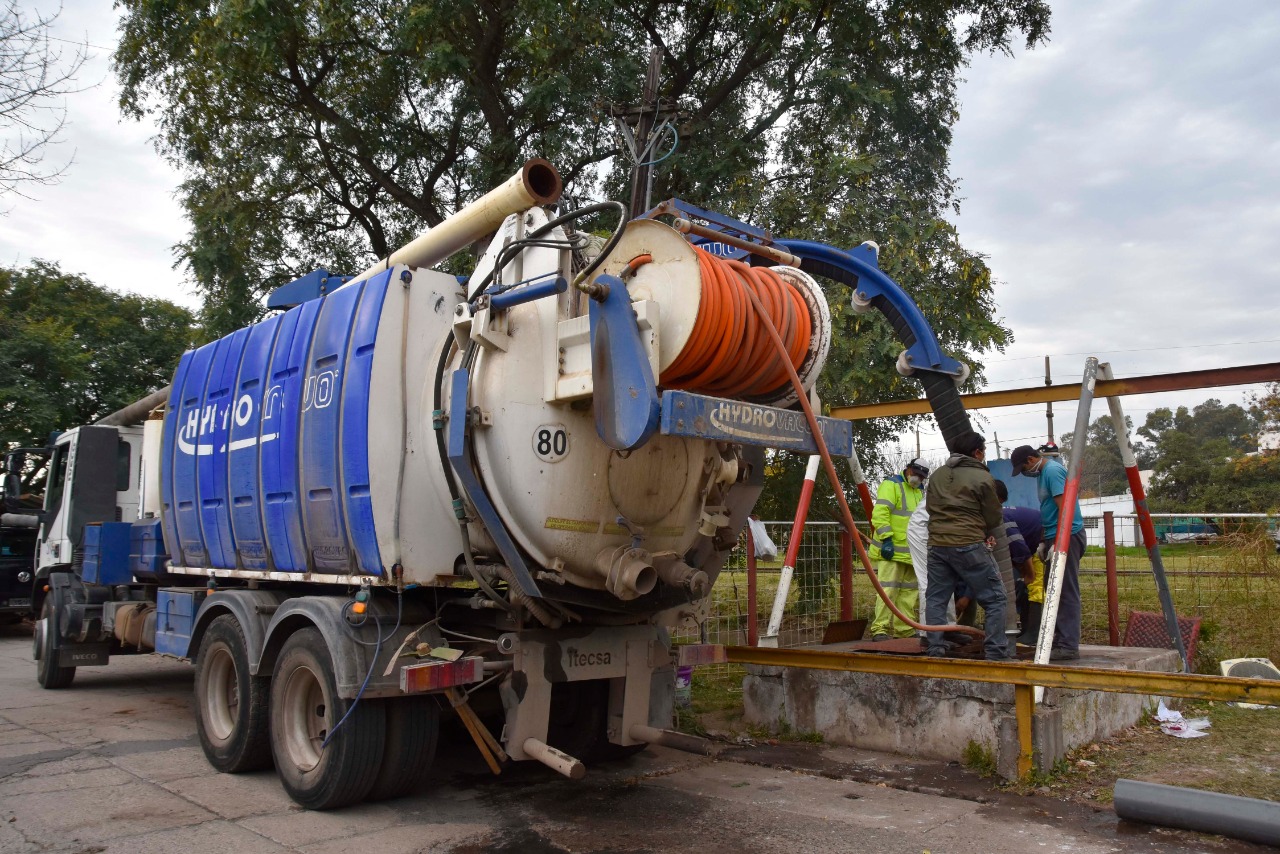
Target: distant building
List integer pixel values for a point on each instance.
(1127, 530)
(1269, 443)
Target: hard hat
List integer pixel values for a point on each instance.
(919, 466)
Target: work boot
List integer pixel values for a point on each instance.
(1031, 629)
(1060, 654)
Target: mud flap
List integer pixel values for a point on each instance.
(84, 655)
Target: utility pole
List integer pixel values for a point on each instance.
(917, 441)
(642, 174)
(1048, 407)
(641, 127)
(996, 436)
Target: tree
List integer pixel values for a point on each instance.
(1199, 459)
(34, 78)
(327, 134)
(72, 352)
(1209, 420)
(1103, 467)
(1264, 407)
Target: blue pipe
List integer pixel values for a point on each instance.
(870, 284)
(529, 293)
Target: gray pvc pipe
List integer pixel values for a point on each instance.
(1196, 809)
(136, 412)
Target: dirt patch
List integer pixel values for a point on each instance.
(1240, 756)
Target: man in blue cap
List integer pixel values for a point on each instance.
(1051, 475)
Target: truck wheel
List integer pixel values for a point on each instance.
(305, 708)
(231, 704)
(413, 729)
(577, 718)
(579, 723)
(49, 673)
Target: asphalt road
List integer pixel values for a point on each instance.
(112, 764)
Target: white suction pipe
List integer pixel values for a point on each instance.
(537, 183)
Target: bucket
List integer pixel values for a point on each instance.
(684, 686)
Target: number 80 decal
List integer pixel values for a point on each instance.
(551, 442)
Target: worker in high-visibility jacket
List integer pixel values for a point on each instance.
(896, 499)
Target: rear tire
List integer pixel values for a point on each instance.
(305, 708)
(413, 731)
(579, 723)
(231, 704)
(577, 719)
(49, 673)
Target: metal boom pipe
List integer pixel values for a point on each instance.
(1062, 542)
(1212, 378)
(1130, 461)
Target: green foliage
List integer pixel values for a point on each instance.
(979, 758)
(1265, 407)
(72, 352)
(1103, 466)
(328, 133)
(1200, 463)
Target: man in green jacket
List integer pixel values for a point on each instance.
(896, 499)
(964, 513)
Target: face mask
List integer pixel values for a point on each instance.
(914, 480)
(1030, 473)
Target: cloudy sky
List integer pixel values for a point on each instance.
(1123, 180)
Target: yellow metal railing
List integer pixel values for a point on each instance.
(1023, 677)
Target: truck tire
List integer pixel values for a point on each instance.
(577, 719)
(231, 703)
(49, 673)
(413, 730)
(305, 707)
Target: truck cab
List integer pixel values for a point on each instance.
(19, 523)
(94, 476)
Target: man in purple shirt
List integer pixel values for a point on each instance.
(1025, 533)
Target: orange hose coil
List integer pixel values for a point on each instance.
(728, 353)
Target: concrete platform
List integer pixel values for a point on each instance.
(937, 718)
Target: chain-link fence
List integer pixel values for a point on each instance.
(1221, 568)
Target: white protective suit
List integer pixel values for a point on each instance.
(918, 543)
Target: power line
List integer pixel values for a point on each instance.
(1137, 350)
(77, 43)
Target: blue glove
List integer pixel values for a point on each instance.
(886, 550)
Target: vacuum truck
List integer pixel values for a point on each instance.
(409, 491)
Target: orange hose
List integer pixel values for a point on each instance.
(830, 469)
(728, 354)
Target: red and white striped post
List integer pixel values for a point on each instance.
(770, 637)
(860, 482)
(1130, 461)
(1062, 542)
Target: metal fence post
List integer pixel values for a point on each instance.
(846, 575)
(1113, 585)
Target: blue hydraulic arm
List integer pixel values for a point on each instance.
(872, 288)
(456, 438)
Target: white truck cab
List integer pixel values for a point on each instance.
(94, 476)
